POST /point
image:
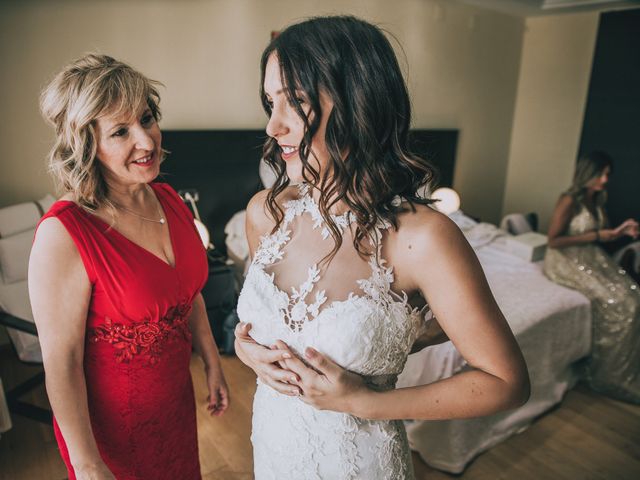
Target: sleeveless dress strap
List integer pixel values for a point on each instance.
(76, 222)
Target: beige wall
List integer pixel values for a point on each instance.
(461, 62)
(554, 78)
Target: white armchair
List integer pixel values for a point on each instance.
(17, 228)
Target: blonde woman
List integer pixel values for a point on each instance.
(574, 259)
(114, 279)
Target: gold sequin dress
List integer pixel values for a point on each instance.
(613, 368)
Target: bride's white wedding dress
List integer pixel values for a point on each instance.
(345, 310)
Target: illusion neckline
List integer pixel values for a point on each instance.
(304, 190)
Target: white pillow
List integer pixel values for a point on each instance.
(14, 256)
(46, 202)
(18, 218)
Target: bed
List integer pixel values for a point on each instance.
(552, 325)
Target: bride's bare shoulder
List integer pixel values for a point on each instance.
(259, 218)
(426, 228)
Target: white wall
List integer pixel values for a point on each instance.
(554, 79)
(462, 66)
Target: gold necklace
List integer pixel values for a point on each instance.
(161, 221)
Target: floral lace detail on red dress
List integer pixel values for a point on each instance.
(144, 338)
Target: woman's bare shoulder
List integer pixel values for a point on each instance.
(53, 238)
(566, 200)
(425, 224)
(423, 240)
(259, 218)
(566, 205)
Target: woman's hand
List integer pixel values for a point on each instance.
(326, 386)
(628, 227)
(97, 471)
(218, 399)
(265, 362)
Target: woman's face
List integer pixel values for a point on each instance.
(129, 148)
(287, 128)
(599, 183)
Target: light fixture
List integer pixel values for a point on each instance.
(449, 200)
(203, 231)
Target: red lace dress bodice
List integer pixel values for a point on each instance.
(138, 343)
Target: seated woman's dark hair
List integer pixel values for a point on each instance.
(366, 136)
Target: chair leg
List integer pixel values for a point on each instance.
(27, 410)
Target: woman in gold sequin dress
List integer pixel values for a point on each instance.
(574, 259)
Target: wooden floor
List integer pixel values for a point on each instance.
(587, 437)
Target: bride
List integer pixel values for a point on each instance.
(344, 253)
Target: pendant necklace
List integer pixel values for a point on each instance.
(161, 220)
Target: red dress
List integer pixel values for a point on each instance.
(138, 344)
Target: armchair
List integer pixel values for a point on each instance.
(17, 228)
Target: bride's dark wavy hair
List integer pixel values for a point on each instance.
(366, 136)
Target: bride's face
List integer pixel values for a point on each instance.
(288, 128)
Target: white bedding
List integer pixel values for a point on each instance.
(553, 327)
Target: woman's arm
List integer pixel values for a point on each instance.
(435, 257)
(437, 260)
(60, 291)
(560, 219)
(204, 345)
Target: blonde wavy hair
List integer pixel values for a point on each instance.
(85, 89)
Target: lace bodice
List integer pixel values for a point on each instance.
(585, 221)
(346, 309)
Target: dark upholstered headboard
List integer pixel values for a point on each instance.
(222, 165)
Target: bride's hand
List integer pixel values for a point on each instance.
(327, 386)
(265, 362)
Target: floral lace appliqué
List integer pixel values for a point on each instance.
(306, 203)
(299, 310)
(144, 338)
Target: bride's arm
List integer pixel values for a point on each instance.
(262, 360)
(439, 262)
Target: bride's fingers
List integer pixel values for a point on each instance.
(282, 346)
(321, 363)
(280, 387)
(272, 356)
(242, 330)
(297, 366)
(280, 375)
